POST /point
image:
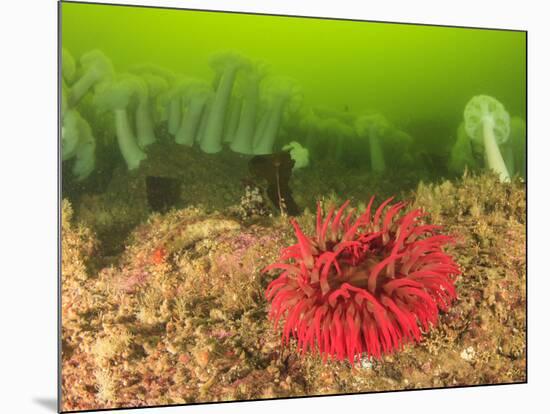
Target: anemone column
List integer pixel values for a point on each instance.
(373, 126)
(144, 124)
(126, 141)
(192, 118)
(273, 120)
(282, 94)
(174, 114)
(229, 63)
(243, 141)
(376, 154)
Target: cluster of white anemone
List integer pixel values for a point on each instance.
(367, 134)
(77, 139)
(242, 109)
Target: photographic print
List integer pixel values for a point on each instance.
(261, 206)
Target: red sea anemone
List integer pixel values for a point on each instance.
(363, 286)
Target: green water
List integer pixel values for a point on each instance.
(419, 77)
(406, 71)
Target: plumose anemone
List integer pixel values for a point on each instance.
(374, 126)
(299, 154)
(367, 285)
(242, 141)
(97, 68)
(487, 122)
(195, 99)
(118, 97)
(283, 95)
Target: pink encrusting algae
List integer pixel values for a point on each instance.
(364, 285)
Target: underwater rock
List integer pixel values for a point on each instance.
(163, 193)
(205, 292)
(276, 169)
(212, 182)
(78, 244)
(253, 204)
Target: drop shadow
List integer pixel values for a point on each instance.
(48, 403)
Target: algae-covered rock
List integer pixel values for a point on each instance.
(78, 245)
(179, 316)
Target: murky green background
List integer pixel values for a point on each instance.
(418, 76)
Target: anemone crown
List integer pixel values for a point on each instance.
(362, 285)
